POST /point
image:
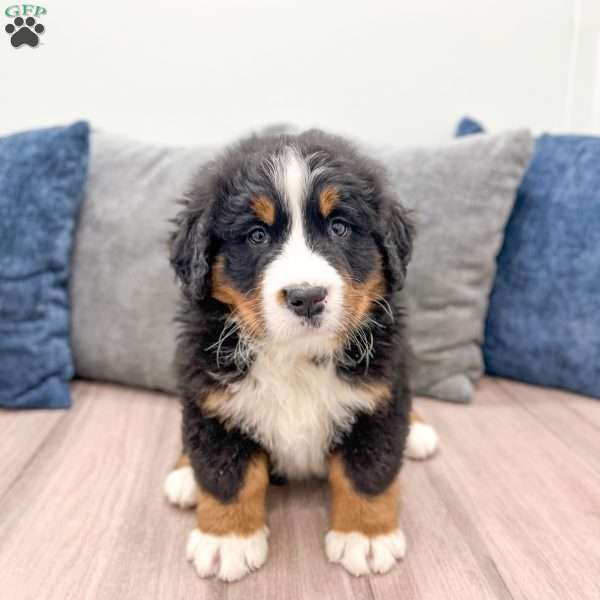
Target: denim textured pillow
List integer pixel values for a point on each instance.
(542, 325)
(41, 187)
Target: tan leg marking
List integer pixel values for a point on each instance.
(182, 461)
(364, 536)
(353, 511)
(246, 513)
(415, 417)
(230, 538)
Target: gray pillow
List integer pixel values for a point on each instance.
(123, 294)
(123, 291)
(462, 196)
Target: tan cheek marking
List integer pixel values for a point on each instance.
(328, 200)
(247, 307)
(244, 515)
(353, 511)
(359, 297)
(264, 209)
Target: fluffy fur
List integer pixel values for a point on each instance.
(263, 374)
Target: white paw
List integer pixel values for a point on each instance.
(229, 557)
(361, 555)
(180, 487)
(422, 441)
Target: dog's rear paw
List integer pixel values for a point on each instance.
(361, 555)
(180, 487)
(422, 441)
(228, 557)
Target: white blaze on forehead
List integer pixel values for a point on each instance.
(295, 178)
(297, 264)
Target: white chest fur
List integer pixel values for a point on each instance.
(294, 408)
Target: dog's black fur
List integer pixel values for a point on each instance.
(215, 222)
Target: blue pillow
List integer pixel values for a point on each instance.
(543, 324)
(42, 174)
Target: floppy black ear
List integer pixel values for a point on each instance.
(398, 233)
(190, 245)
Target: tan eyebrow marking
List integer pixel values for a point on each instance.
(264, 209)
(328, 200)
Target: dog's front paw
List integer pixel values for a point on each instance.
(361, 555)
(422, 441)
(180, 487)
(229, 557)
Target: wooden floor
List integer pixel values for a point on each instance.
(509, 509)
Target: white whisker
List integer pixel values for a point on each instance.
(385, 305)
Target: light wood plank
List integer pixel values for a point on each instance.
(69, 517)
(574, 420)
(532, 500)
(440, 562)
(22, 435)
(91, 517)
(298, 516)
(588, 410)
(509, 509)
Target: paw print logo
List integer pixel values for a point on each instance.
(24, 32)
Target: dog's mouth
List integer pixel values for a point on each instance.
(312, 322)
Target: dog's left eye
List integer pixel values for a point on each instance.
(258, 236)
(339, 228)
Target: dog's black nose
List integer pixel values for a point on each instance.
(305, 301)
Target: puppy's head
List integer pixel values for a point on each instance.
(298, 235)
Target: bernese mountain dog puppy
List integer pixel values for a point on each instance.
(292, 358)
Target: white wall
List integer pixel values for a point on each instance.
(396, 71)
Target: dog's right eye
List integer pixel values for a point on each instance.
(258, 236)
(339, 228)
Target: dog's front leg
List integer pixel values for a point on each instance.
(230, 538)
(364, 535)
